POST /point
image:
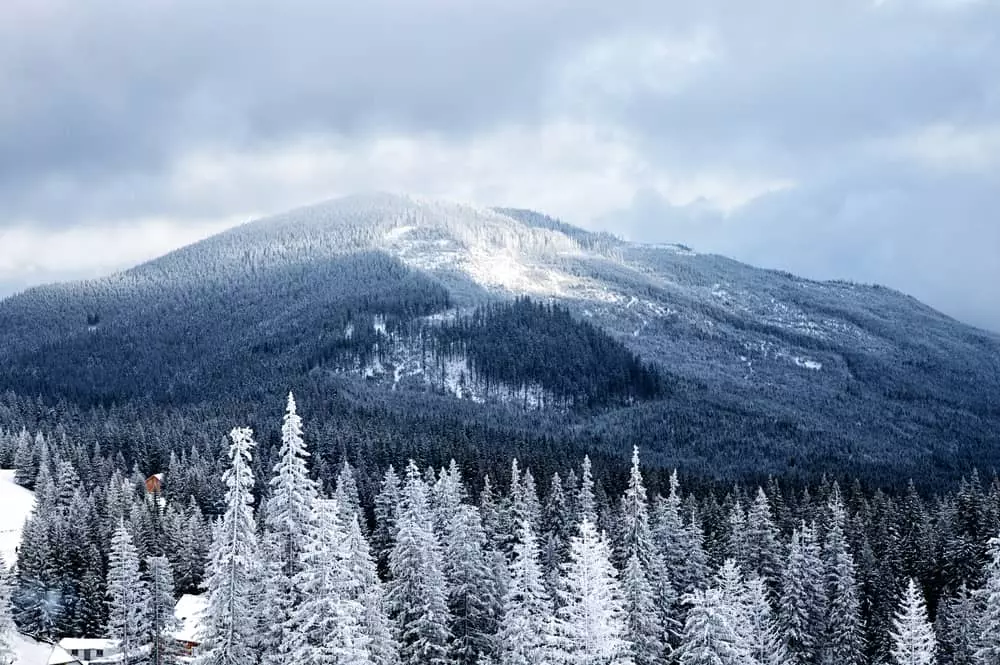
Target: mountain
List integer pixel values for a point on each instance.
(530, 329)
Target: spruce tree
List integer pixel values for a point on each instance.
(802, 602)
(843, 644)
(913, 641)
(8, 630)
(763, 550)
(417, 590)
(763, 639)
(709, 636)
(326, 626)
(988, 646)
(230, 619)
(160, 611)
(591, 624)
(527, 607)
(958, 629)
(366, 588)
(386, 512)
(473, 597)
(128, 621)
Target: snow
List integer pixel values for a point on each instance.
(189, 612)
(807, 363)
(32, 652)
(398, 232)
(84, 643)
(17, 504)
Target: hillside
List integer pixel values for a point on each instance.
(380, 304)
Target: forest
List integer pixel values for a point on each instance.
(415, 563)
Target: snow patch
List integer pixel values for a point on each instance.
(17, 503)
(807, 363)
(399, 232)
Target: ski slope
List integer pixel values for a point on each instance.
(16, 503)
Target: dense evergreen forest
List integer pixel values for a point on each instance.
(334, 558)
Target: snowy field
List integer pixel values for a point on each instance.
(16, 503)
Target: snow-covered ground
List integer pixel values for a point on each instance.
(16, 503)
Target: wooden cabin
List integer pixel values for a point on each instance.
(154, 484)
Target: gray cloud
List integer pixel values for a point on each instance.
(881, 117)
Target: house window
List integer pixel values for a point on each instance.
(74, 652)
(100, 652)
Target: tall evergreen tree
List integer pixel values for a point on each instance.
(958, 629)
(527, 608)
(988, 646)
(417, 591)
(709, 636)
(843, 643)
(802, 603)
(288, 516)
(160, 611)
(366, 588)
(229, 622)
(763, 639)
(128, 621)
(912, 635)
(591, 623)
(8, 630)
(473, 596)
(386, 514)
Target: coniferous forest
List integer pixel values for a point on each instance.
(309, 557)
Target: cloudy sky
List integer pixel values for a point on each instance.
(832, 138)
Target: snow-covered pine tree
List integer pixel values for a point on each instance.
(763, 639)
(764, 554)
(709, 637)
(326, 625)
(346, 495)
(288, 516)
(586, 506)
(802, 602)
(160, 611)
(843, 643)
(128, 621)
(912, 634)
(557, 529)
(591, 624)
(957, 628)
(473, 595)
(643, 580)
(230, 619)
(417, 591)
(386, 510)
(527, 607)
(366, 588)
(7, 628)
(988, 647)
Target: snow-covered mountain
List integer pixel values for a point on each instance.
(750, 360)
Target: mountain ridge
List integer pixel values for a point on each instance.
(787, 372)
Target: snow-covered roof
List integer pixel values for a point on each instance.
(189, 612)
(81, 643)
(33, 652)
(17, 504)
(158, 476)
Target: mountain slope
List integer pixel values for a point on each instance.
(756, 371)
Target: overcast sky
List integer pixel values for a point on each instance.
(832, 138)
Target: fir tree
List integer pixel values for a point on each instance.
(229, 622)
(386, 512)
(763, 550)
(763, 639)
(912, 635)
(128, 621)
(802, 602)
(160, 611)
(473, 595)
(527, 607)
(709, 636)
(366, 589)
(417, 591)
(988, 646)
(591, 623)
(7, 628)
(958, 629)
(843, 641)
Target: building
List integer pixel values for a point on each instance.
(189, 612)
(90, 650)
(154, 484)
(30, 651)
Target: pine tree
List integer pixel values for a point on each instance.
(160, 611)
(229, 621)
(347, 497)
(802, 602)
(912, 635)
(128, 621)
(957, 628)
(988, 647)
(527, 608)
(763, 551)
(642, 569)
(366, 589)
(386, 512)
(585, 502)
(7, 628)
(326, 627)
(288, 527)
(591, 623)
(843, 644)
(557, 530)
(709, 636)
(763, 639)
(473, 595)
(417, 591)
